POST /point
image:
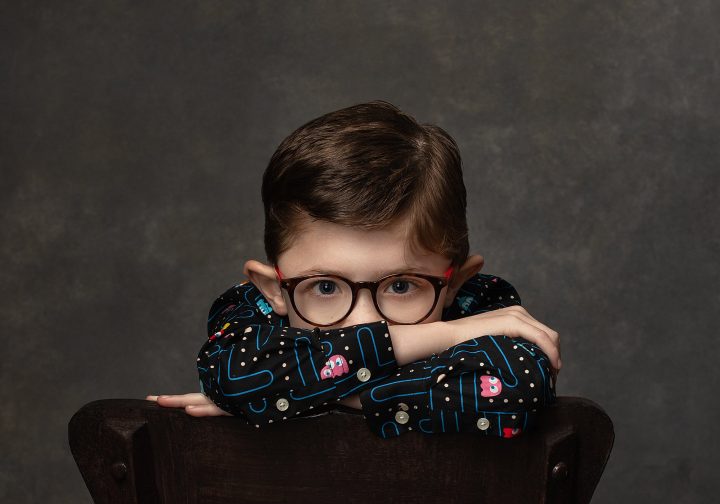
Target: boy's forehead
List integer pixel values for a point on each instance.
(323, 247)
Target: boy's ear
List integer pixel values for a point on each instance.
(472, 265)
(265, 279)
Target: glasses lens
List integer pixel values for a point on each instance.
(406, 298)
(323, 300)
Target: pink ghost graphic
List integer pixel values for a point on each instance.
(336, 366)
(490, 386)
(509, 432)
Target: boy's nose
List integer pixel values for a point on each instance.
(363, 312)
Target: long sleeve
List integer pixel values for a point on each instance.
(256, 367)
(492, 384)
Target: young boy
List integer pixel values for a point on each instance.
(370, 299)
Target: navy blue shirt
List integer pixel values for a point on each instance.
(256, 367)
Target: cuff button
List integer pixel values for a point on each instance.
(483, 423)
(282, 404)
(401, 417)
(363, 374)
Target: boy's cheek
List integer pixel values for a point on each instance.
(296, 321)
(436, 315)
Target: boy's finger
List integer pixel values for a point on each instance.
(546, 345)
(151, 398)
(205, 410)
(182, 400)
(553, 336)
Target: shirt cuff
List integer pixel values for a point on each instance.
(356, 357)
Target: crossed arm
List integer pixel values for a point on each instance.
(442, 344)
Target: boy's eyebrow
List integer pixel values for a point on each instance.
(380, 274)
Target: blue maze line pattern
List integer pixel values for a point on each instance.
(261, 409)
(527, 346)
(546, 391)
(320, 392)
(374, 391)
(247, 313)
(259, 345)
(330, 347)
(310, 358)
(425, 429)
(461, 348)
(509, 367)
(242, 378)
(394, 425)
(369, 331)
(443, 366)
(462, 399)
(430, 398)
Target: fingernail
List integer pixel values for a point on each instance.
(163, 397)
(559, 363)
(190, 406)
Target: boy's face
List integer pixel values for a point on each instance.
(357, 255)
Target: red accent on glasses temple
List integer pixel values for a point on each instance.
(449, 272)
(277, 270)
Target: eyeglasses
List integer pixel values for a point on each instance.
(401, 298)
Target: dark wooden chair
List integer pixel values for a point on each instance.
(134, 451)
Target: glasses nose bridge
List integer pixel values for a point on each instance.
(371, 286)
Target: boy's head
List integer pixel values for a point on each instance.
(363, 191)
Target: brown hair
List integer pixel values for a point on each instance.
(368, 166)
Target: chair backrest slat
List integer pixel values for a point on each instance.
(134, 451)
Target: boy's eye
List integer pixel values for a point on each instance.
(324, 287)
(327, 287)
(401, 286)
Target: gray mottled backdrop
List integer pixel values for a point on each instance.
(134, 135)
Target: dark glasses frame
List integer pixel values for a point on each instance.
(289, 285)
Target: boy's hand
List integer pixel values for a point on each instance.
(512, 321)
(195, 404)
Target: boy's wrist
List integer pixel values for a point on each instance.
(444, 334)
(420, 341)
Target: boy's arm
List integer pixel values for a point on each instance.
(479, 294)
(256, 367)
(243, 308)
(493, 385)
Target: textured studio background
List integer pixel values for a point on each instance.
(134, 135)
